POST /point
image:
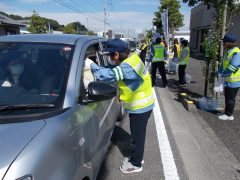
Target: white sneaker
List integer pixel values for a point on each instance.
(129, 168)
(126, 160)
(225, 117)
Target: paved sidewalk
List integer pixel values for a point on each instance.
(227, 131)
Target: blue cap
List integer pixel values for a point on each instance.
(115, 45)
(229, 38)
(184, 42)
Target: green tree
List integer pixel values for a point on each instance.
(15, 17)
(149, 34)
(91, 33)
(175, 18)
(37, 24)
(54, 25)
(79, 27)
(69, 29)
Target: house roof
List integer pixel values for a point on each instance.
(8, 21)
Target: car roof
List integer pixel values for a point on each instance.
(49, 38)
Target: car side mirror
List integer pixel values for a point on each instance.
(99, 91)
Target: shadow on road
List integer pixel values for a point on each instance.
(174, 87)
(122, 140)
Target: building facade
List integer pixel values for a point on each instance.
(200, 22)
(201, 19)
(9, 26)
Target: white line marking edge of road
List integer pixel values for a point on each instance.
(169, 166)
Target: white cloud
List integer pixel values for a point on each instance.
(4, 6)
(33, 1)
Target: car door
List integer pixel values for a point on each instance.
(104, 114)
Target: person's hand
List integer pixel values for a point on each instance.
(88, 63)
(138, 51)
(220, 75)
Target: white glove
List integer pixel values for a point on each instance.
(138, 51)
(88, 63)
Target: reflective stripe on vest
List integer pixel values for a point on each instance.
(158, 53)
(186, 59)
(234, 77)
(142, 96)
(143, 46)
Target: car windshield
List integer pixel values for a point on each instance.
(33, 73)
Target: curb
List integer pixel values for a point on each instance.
(188, 104)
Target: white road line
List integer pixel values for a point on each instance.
(169, 166)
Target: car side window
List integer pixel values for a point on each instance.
(92, 53)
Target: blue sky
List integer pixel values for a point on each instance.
(128, 16)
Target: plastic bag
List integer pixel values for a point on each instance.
(172, 66)
(187, 78)
(206, 103)
(148, 66)
(219, 85)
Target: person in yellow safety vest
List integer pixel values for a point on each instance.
(183, 62)
(159, 56)
(135, 87)
(143, 50)
(230, 70)
(176, 50)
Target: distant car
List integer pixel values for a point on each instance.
(52, 125)
(132, 45)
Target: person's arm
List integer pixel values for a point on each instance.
(233, 66)
(151, 52)
(165, 52)
(121, 72)
(173, 49)
(102, 73)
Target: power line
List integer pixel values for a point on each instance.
(77, 3)
(67, 5)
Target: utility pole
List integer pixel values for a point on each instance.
(87, 22)
(49, 29)
(105, 18)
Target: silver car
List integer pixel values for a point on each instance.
(53, 126)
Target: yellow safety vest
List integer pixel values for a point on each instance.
(178, 50)
(142, 96)
(158, 53)
(234, 77)
(186, 59)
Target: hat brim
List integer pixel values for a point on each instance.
(108, 50)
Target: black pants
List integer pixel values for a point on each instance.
(230, 96)
(161, 67)
(181, 73)
(138, 124)
(143, 56)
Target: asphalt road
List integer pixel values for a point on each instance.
(202, 146)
